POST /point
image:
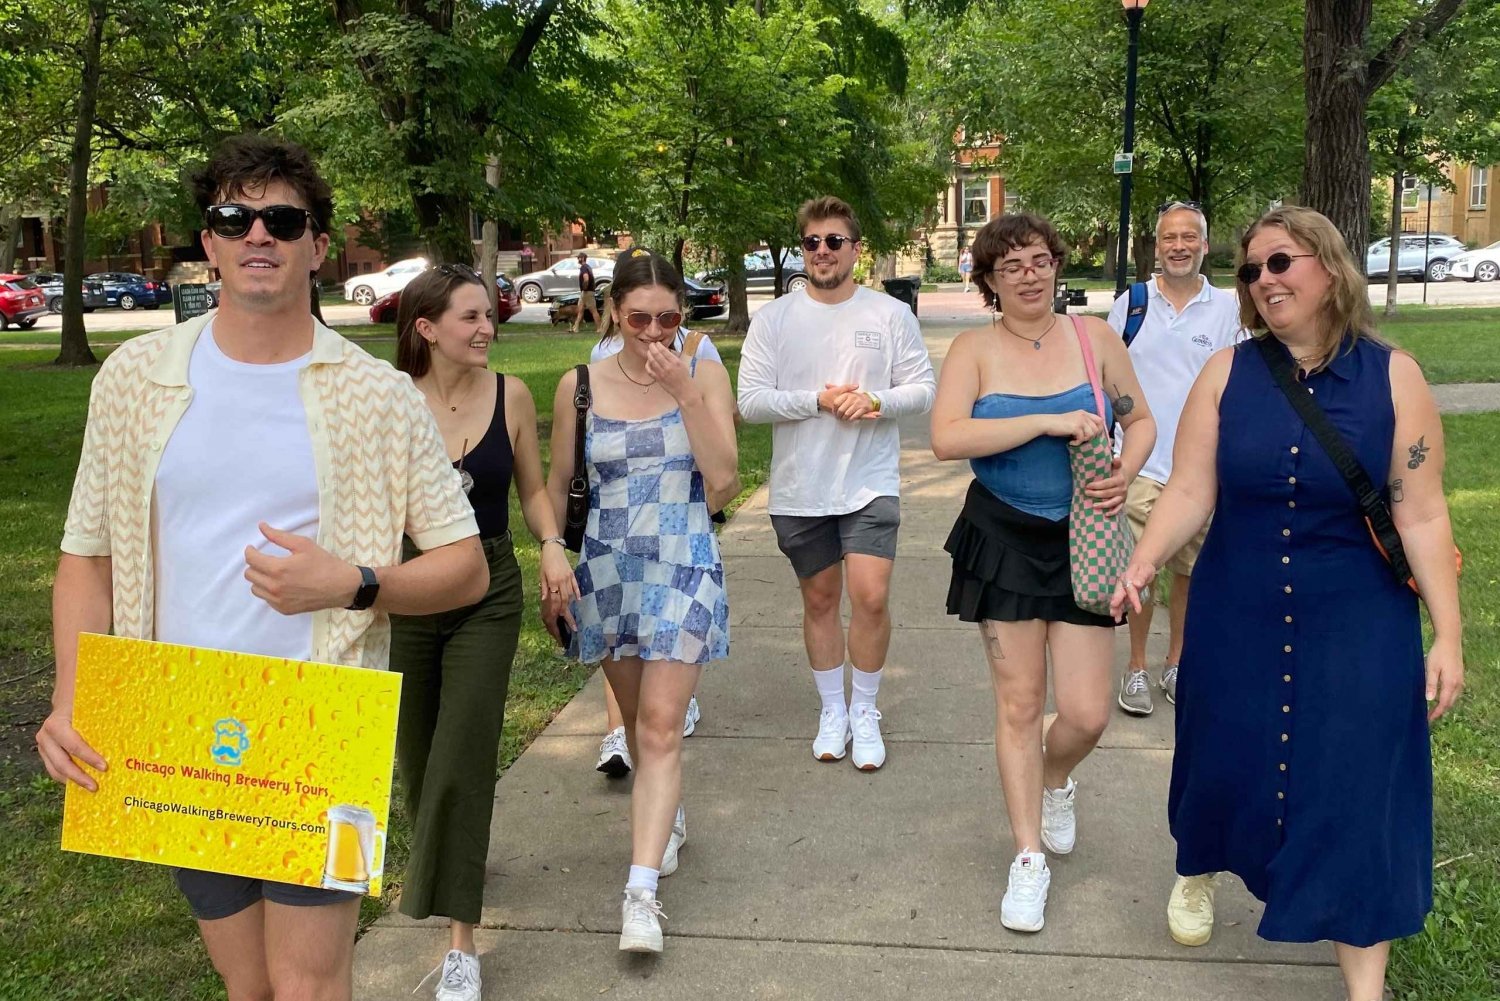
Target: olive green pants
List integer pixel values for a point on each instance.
(455, 669)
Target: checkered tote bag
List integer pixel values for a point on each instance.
(1099, 545)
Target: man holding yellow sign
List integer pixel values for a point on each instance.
(245, 482)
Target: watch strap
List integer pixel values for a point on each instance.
(369, 587)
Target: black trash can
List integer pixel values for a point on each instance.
(904, 289)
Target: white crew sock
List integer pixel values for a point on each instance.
(831, 687)
(643, 877)
(866, 686)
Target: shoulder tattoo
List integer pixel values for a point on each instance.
(1417, 453)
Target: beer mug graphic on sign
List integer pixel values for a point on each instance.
(356, 850)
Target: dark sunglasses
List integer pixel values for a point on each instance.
(1277, 264)
(1166, 207)
(283, 222)
(639, 320)
(461, 271)
(835, 242)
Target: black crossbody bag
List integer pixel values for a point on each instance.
(578, 487)
(1376, 512)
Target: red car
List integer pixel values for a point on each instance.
(383, 310)
(22, 301)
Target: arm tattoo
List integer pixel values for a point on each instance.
(1123, 404)
(1418, 453)
(1396, 495)
(992, 641)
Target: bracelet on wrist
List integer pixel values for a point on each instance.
(557, 539)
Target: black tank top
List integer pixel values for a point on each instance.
(486, 470)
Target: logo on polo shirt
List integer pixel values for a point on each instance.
(867, 339)
(1202, 341)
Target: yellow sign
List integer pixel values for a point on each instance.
(235, 763)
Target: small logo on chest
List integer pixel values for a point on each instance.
(867, 339)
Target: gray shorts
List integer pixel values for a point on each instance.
(814, 544)
(215, 895)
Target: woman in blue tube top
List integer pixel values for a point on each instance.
(1011, 398)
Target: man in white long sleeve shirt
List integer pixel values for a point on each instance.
(832, 367)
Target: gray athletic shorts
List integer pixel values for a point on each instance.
(814, 544)
(214, 895)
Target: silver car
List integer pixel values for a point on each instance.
(1481, 265)
(1415, 253)
(562, 278)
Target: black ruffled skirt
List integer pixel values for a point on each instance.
(1011, 566)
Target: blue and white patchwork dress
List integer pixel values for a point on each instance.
(650, 577)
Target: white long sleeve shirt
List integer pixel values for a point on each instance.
(821, 465)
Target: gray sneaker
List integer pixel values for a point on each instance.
(1135, 693)
(1169, 682)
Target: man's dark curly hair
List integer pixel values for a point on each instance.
(250, 161)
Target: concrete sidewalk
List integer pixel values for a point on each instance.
(804, 880)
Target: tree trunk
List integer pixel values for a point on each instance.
(489, 249)
(1393, 273)
(10, 234)
(1111, 253)
(739, 302)
(1336, 175)
(75, 339)
(1143, 249)
(443, 219)
(778, 268)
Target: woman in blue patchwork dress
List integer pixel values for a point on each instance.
(661, 453)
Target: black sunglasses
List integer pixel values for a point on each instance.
(1166, 207)
(835, 242)
(284, 222)
(1277, 264)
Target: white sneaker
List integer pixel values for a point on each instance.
(1190, 909)
(640, 922)
(833, 734)
(1023, 908)
(460, 979)
(869, 749)
(674, 843)
(690, 721)
(1059, 821)
(614, 754)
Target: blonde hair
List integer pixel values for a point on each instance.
(1347, 307)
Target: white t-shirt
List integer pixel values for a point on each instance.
(614, 344)
(1169, 352)
(821, 465)
(241, 454)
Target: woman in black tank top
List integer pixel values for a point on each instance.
(456, 665)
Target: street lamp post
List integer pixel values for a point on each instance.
(1133, 11)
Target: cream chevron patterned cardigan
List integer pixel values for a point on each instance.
(381, 466)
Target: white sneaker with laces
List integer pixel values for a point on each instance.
(1059, 819)
(690, 721)
(614, 754)
(869, 748)
(833, 734)
(460, 979)
(640, 922)
(1190, 909)
(1023, 908)
(674, 843)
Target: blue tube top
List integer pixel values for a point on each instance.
(1034, 476)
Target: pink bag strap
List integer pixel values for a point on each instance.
(1088, 363)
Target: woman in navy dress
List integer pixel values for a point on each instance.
(1303, 764)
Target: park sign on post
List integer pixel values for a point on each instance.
(235, 763)
(1124, 163)
(189, 301)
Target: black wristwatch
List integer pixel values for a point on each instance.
(369, 587)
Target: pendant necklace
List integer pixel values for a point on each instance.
(645, 386)
(1036, 342)
(453, 408)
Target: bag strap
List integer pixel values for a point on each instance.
(1135, 316)
(691, 342)
(1088, 363)
(1370, 500)
(582, 398)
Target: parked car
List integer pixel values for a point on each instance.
(562, 279)
(21, 302)
(51, 284)
(760, 272)
(131, 291)
(365, 289)
(703, 301)
(212, 288)
(1481, 265)
(383, 310)
(1415, 252)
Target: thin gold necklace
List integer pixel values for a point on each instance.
(1036, 342)
(453, 408)
(645, 386)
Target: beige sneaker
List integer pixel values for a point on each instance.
(1190, 909)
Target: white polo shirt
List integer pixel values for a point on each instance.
(1169, 352)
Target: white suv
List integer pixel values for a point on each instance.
(365, 289)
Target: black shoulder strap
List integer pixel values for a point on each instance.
(582, 398)
(1370, 500)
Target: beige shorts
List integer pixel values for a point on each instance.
(1139, 500)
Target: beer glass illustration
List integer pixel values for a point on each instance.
(355, 849)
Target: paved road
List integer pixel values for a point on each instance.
(805, 880)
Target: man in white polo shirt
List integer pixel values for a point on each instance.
(831, 367)
(1172, 324)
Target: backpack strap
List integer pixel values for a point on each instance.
(1135, 316)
